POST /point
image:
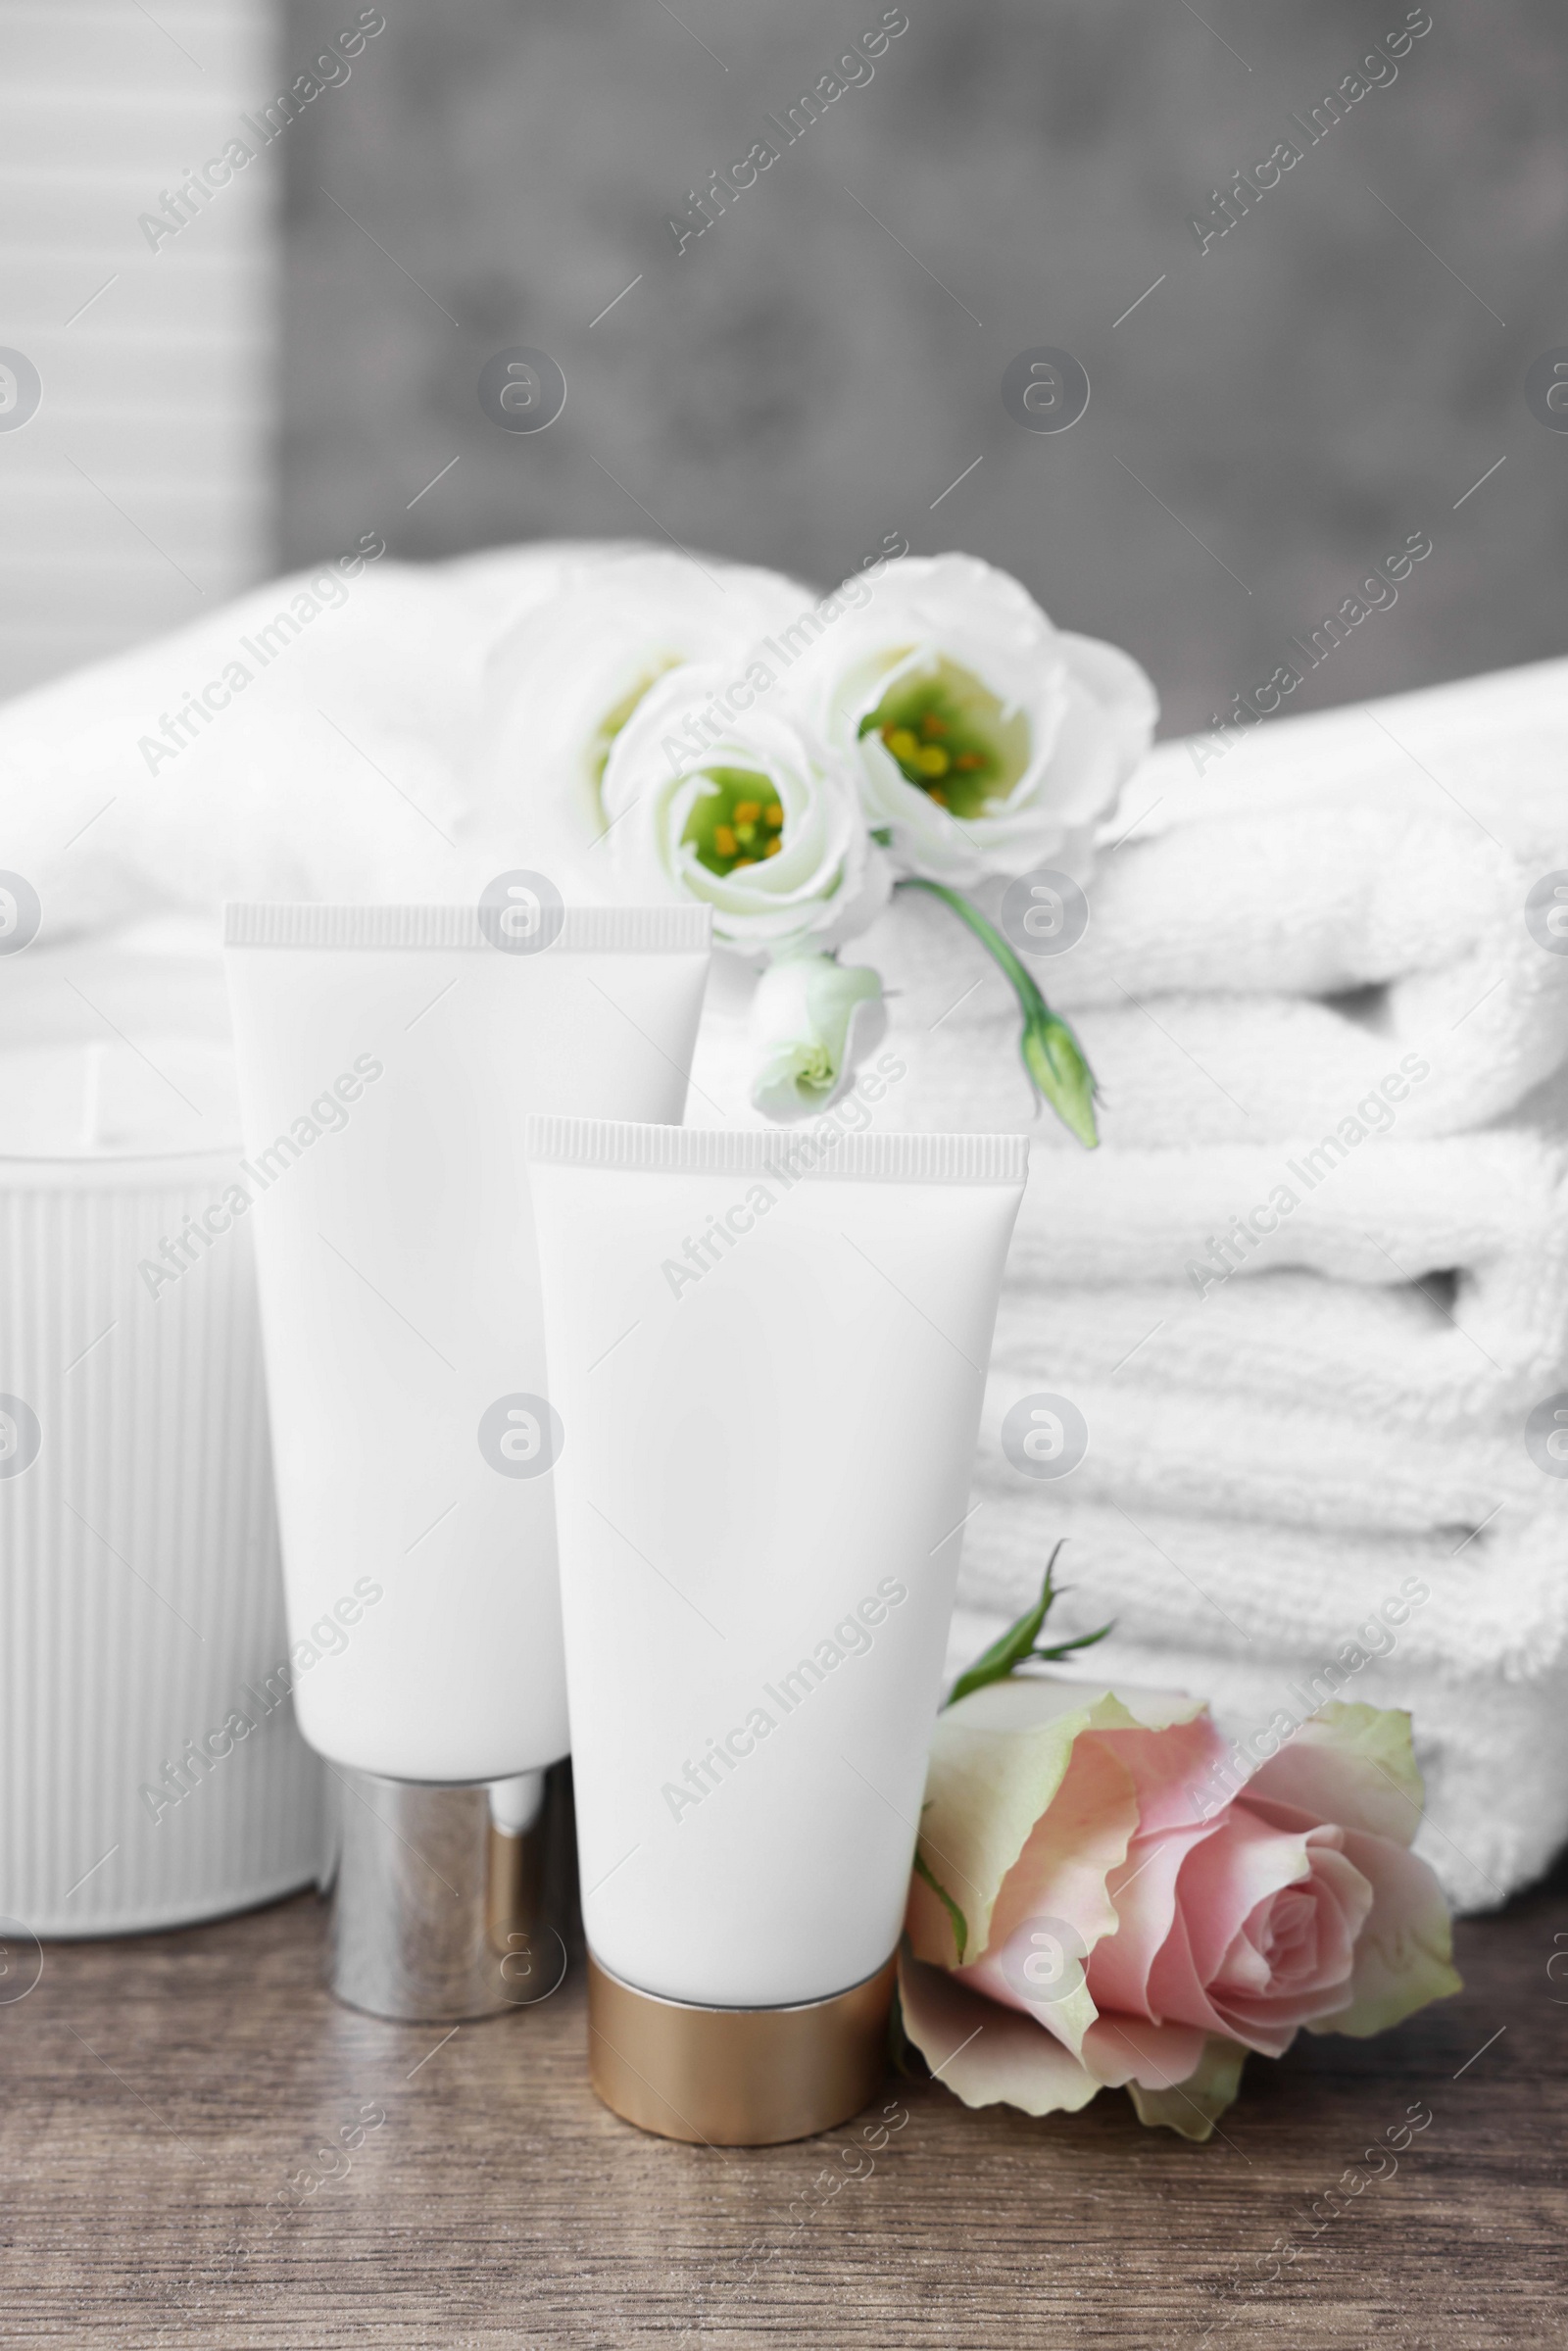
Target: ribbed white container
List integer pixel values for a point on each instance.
(139, 1581)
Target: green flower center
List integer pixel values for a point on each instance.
(949, 738)
(736, 821)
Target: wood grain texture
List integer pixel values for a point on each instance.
(156, 2095)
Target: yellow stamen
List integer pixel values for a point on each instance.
(772, 848)
(723, 840)
(931, 759)
(747, 812)
(741, 861)
(902, 743)
(775, 815)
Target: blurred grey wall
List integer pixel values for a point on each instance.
(815, 370)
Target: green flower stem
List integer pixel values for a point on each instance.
(1054, 1060)
(955, 1918)
(1020, 1645)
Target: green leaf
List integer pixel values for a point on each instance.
(959, 1922)
(1019, 1646)
(1056, 1065)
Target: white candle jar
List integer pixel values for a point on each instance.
(150, 1770)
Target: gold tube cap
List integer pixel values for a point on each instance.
(736, 2076)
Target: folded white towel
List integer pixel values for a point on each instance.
(1357, 847)
(1368, 1365)
(1337, 909)
(1412, 1359)
(1494, 1757)
(1228, 1069)
(1490, 749)
(1498, 1595)
(1220, 1455)
(1489, 1206)
(1423, 1282)
(1266, 1459)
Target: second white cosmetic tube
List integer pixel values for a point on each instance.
(389, 1057)
(769, 1354)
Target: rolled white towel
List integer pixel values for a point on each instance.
(310, 740)
(331, 735)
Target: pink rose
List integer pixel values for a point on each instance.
(1105, 1895)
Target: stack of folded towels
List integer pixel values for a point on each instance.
(1307, 1307)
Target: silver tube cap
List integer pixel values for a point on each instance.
(441, 1895)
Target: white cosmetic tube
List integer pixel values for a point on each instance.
(769, 1354)
(389, 1059)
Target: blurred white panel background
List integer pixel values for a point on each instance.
(140, 490)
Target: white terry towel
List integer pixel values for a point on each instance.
(1341, 903)
(1424, 1281)
(1220, 1069)
(1366, 1366)
(1490, 747)
(1230, 1586)
(337, 756)
(1494, 1757)
(1296, 1343)
(1318, 856)
(1225, 1456)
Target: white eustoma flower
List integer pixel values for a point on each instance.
(564, 682)
(986, 740)
(714, 789)
(803, 1016)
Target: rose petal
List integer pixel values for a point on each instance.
(1175, 2077)
(998, 1759)
(1118, 2049)
(1334, 1904)
(1176, 1772)
(1404, 1952)
(1059, 1879)
(986, 2056)
(1178, 1761)
(1227, 1876)
(1144, 1891)
(1191, 2107)
(1177, 1994)
(1350, 1764)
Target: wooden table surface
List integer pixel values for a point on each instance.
(163, 2101)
